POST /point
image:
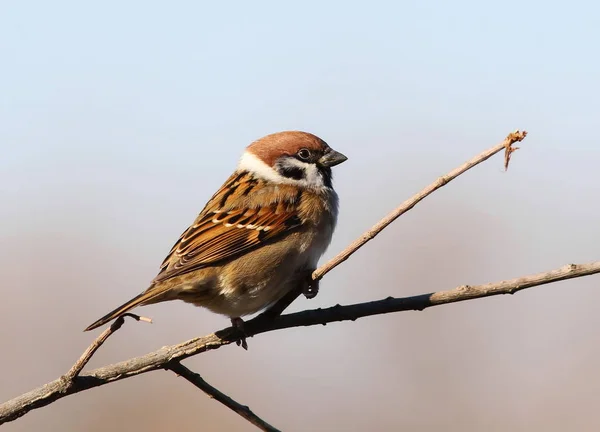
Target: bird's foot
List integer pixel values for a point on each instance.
(238, 323)
(310, 288)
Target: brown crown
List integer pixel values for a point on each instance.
(269, 148)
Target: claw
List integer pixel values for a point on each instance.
(238, 323)
(310, 289)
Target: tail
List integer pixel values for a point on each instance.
(144, 298)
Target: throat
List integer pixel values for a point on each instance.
(327, 177)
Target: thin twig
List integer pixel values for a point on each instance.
(138, 317)
(70, 376)
(215, 393)
(89, 352)
(414, 200)
(159, 359)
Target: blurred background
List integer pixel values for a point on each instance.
(118, 120)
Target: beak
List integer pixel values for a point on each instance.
(332, 158)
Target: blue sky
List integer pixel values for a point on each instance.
(150, 86)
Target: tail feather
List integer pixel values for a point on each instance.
(144, 298)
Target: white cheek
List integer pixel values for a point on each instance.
(313, 177)
(251, 163)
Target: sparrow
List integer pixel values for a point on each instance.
(259, 236)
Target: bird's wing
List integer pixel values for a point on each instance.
(231, 224)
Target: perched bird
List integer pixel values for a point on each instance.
(259, 236)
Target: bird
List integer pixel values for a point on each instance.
(259, 236)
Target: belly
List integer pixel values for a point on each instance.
(250, 290)
(257, 279)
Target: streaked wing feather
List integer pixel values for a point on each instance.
(218, 235)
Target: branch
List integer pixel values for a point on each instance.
(166, 356)
(73, 382)
(214, 393)
(505, 145)
(318, 274)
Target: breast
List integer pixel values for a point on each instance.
(320, 211)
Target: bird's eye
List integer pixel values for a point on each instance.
(304, 154)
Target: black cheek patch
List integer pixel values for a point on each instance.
(292, 172)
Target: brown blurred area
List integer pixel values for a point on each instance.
(522, 363)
